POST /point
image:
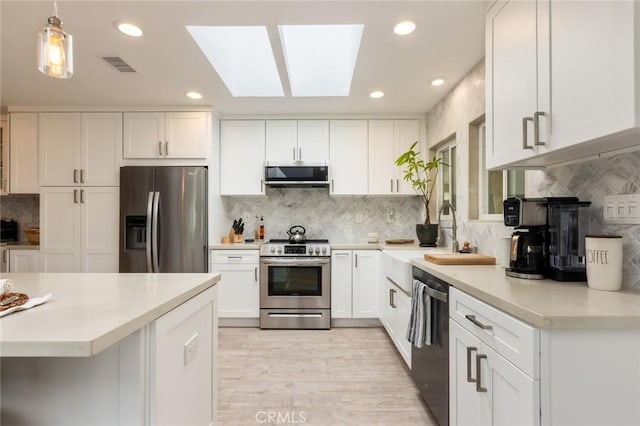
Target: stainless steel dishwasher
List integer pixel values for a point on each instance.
(430, 364)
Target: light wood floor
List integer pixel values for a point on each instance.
(342, 376)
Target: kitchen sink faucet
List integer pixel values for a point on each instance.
(454, 227)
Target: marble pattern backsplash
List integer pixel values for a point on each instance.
(323, 216)
(25, 209)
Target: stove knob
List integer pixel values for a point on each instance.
(317, 250)
(324, 250)
(310, 250)
(279, 250)
(273, 250)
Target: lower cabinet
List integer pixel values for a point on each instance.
(395, 310)
(355, 276)
(239, 287)
(23, 260)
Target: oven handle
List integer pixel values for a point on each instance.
(294, 261)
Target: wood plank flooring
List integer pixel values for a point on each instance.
(342, 376)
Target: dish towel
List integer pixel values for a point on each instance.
(35, 301)
(419, 328)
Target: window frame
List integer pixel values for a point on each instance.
(453, 181)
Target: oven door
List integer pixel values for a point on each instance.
(301, 283)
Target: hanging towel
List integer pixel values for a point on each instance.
(419, 327)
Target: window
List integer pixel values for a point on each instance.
(495, 185)
(447, 180)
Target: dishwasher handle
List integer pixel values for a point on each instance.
(435, 293)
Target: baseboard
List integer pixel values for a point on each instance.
(356, 322)
(238, 322)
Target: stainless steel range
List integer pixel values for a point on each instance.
(295, 284)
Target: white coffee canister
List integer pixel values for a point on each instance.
(604, 261)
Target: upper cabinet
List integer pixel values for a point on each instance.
(297, 140)
(348, 156)
(23, 154)
(242, 153)
(387, 140)
(154, 135)
(80, 149)
(562, 81)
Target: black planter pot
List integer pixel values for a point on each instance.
(427, 234)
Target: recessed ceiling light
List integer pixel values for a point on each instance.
(376, 94)
(437, 82)
(194, 95)
(404, 27)
(242, 57)
(129, 29)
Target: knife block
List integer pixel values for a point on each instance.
(237, 238)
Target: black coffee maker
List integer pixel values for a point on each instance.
(549, 238)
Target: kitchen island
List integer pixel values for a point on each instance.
(111, 349)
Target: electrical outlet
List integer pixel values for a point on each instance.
(359, 218)
(391, 215)
(190, 349)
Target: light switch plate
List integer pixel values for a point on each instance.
(622, 209)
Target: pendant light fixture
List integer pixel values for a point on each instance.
(55, 48)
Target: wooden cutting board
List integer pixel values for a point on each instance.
(460, 259)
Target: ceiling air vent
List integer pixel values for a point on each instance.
(117, 63)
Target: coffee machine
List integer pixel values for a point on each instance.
(549, 238)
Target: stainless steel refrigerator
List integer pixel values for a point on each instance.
(163, 219)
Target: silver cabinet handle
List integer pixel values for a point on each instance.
(536, 128)
(299, 153)
(160, 148)
(75, 196)
(356, 255)
(166, 149)
(81, 175)
(473, 319)
(469, 351)
(82, 196)
(234, 257)
(391, 181)
(525, 144)
(390, 297)
(294, 153)
(341, 254)
(393, 298)
(255, 274)
(75, 175)
(333, 188)
(261, 185)
(479, 387)
(4, 256)
(397, 185)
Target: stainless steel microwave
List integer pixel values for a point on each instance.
(296, 174)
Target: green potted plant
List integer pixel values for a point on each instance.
(422, 176)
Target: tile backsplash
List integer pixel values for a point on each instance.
(25, 209)
(335, 218)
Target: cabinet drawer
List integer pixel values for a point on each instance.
(234, 256)
(513, 339)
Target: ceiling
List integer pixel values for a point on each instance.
(448, 41)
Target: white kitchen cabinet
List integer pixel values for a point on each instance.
(242, 157)
(560, 81)
(79, 149)
(239, 287)
(297, 140)
(23, 260)
(4, 156)
(23, 153)
(395, 310)
(341, 283)
(387, 140)
(79, 229)
(155, 135)
(366, 278)
(348, 142)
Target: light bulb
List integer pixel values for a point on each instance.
(55, 53)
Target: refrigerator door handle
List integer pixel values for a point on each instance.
(154, 237)
(148, 233)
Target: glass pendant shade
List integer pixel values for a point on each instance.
(55, 50)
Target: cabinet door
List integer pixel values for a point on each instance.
(101, 149)
(242, 157)
(313, 140)
(281, 140)
(403, 306)
(382, 170)
(23, 260)
(388, 313)
(341, 271)
(348, 156)
(465, 406)
(366, 277)
(99, 212)
(186, 134)
(23, 153)
(405, 133)
(144, 135)
(182, 376)
(238, 290)
(59, 230)
(511, 62)
(59, 146)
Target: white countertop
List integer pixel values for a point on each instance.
(236, 246)
(89, 312)
(542, 303)
(349, 245)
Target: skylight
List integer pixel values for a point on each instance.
(320, 59)
(242, 57)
